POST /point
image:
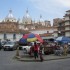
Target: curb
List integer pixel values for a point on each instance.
(57, 58)
(38, 60)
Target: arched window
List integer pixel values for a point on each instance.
(5, 36)
(14, 36)
(47, 31)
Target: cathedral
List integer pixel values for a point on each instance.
(13, 29)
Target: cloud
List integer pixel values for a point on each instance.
(65, 3)
(51, 7)
(49, 4)
(52, 2)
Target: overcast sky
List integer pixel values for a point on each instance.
(49, 9)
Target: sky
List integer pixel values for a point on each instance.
(49, 9)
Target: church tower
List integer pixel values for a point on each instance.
(26, 18)
(10, 17)
(41, 21)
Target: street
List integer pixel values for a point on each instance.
(7, 62)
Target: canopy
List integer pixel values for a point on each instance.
(32, 37)
(22, 41)
(63, 39)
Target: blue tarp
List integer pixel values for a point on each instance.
(31, 35)
(63, 39)
(23, 41)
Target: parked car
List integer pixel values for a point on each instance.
(3, 43)
(10, 46)
(0, 46)
(21, 46)
(26, 49)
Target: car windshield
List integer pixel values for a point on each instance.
(11, 43)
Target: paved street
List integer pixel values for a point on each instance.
(8, 63)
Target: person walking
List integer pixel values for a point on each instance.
(40, 51)
(0, 45)
(65, 49)
(35, 50)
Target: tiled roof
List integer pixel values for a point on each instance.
(10, 27)
(46, 34)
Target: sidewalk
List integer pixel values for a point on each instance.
(28, 58)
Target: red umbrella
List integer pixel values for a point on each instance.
(39, 38)
(25, 36)
(32, 37)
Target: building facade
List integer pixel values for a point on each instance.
(9, 28)
(63, 26)
(67, 23)
(13, 29)
(37, 27)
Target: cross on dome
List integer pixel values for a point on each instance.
(41, 19)
(26, 18)
(27, 10)
(10, 15)
(27, 14)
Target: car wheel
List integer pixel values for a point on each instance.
(24, 51)
(0, 48)
(12, 49)
(4, 49)
(20, 48)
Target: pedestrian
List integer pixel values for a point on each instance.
(35, 50)
(0, 45)
(40, 51)
(61, 50)
(65, 49)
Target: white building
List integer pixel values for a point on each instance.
(67, 23)
(13, 29)
(62, 26)
(9, 28)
